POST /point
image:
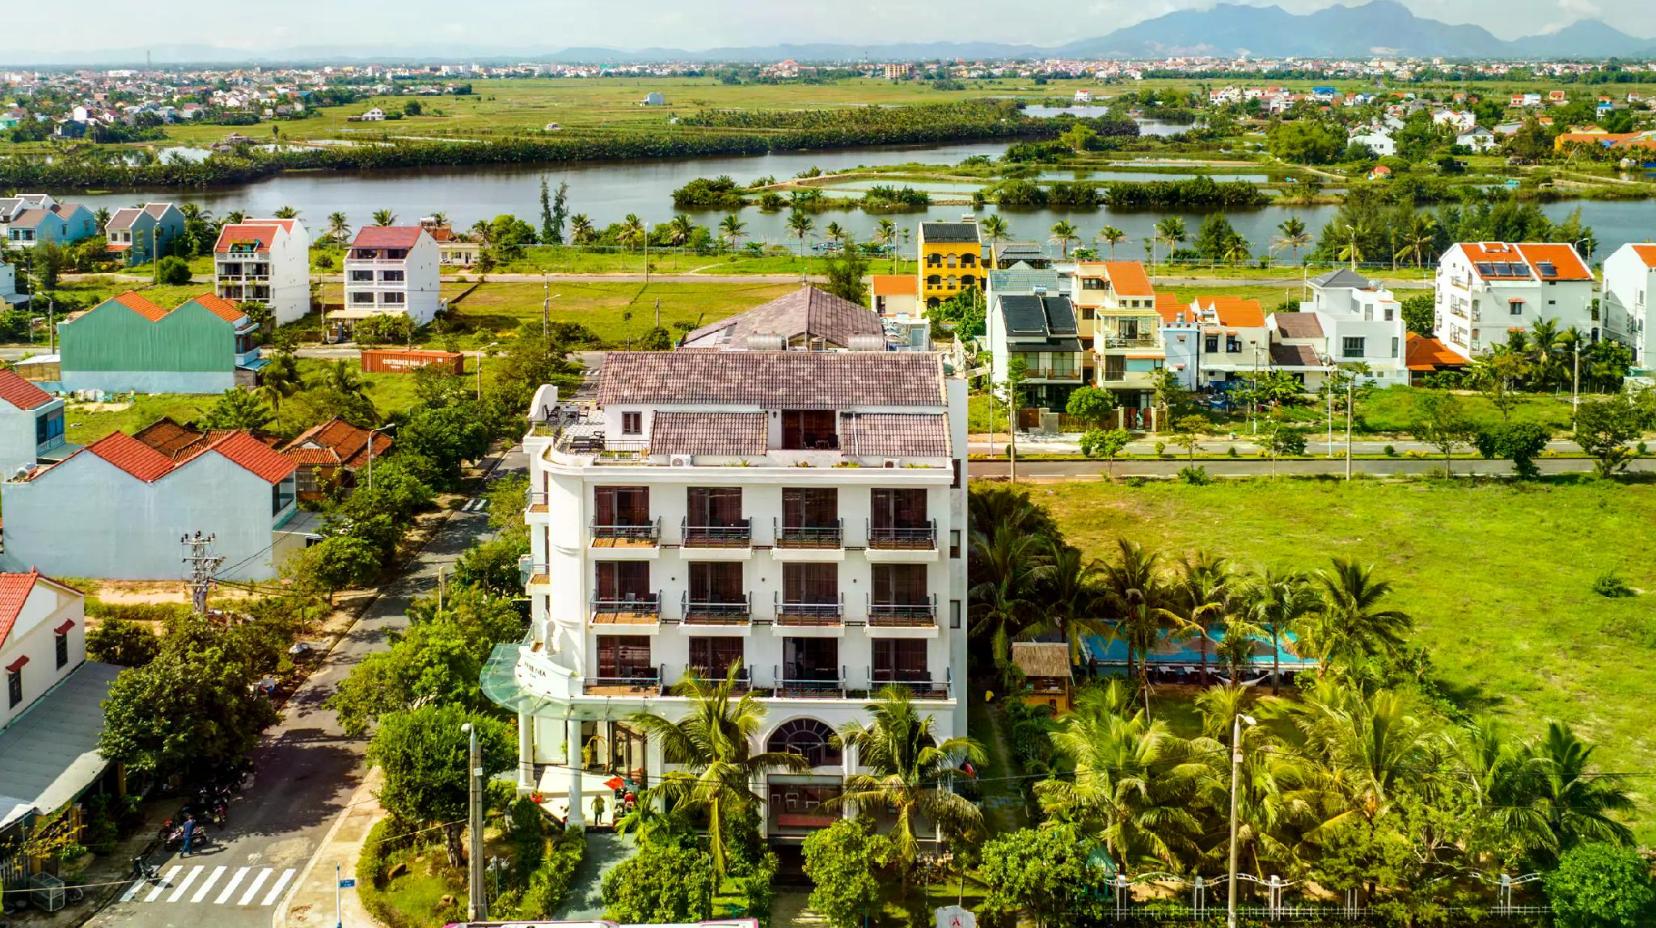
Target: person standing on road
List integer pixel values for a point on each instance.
(189, 833)
(597, 810)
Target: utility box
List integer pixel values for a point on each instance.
(46, 892)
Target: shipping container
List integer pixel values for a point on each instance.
(395, 361)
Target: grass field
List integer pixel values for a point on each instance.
(618, 313)
(1497, 577)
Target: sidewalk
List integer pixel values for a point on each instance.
(311, 904)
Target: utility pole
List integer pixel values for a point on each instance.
(658, 312)
(202, 568)
(1236, 783)
(1575, 384)
(477, 905)
(1349, 386)
(546, 308)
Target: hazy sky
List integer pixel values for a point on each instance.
(546, 25)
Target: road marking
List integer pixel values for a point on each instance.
(230, 887)
(207, 886)
(132, 890)
(258, 881)
(163, 885)
(184, 884)
(276, 891)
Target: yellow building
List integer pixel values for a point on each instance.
(951, 261)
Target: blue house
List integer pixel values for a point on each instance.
(31, 218)
(140, 233)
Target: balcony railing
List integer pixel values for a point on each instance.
(648, 533)
(920, 685)
(902, 615)
(810, 614)
(711, 673)
(715, 612)
(639, 607)
(1134, 341)
(535, 501)
(903, 538)
(809, 536)
(635, 680)
(1052, 373)
(530, 571)
(796, 685)
(735, 535)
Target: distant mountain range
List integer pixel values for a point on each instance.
(1381, 27)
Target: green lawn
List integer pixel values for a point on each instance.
(618, 313)
(1497, 577)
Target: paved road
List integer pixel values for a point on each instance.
(1243, 467)
(304, 773)
(1314, 447)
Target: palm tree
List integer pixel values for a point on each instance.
(384, 217)
(1064, 232)
(279, 379)
(1197, 599)
(286, 212)
(835, 232)
(995, 229)
(235, 217)
(731, 229)
(1134, 593)
(1112, 236)
(680, 229)
(1575, 803)
(1004, 598)
(1170, 232)
(1349, 624)
(1351, 249)
(581, 231)
(340, 378)
(1277, 600)
(1368, 749)
(1069, 597)
(633, 233)
(339, 226)
(801, 225)
(712, 748)
(909, 770)
(885, 232)
(1268, 773)
(1133, 780)
(1236, 250)
(1418, 238)
(439, 218)
(1294, 236)
(101, 217)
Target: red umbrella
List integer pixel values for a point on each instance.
(615, 782)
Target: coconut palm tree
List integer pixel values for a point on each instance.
(835, 232)
(1367, 749)
(1417, 239)
(1112, 236)
(885, 232)
(1576, 804)
(1349, 624)
(1294, 236)
(384, 217)
(1006, 596)
(732, 229)
(801, 225)
(581, 231)
(340, 378)
(286, 212)
(279, 379)
(235, 217)
(1269, 771)
(1197, 599)
(1134, 593)
(1133, 780)
(712, 746)
(1277, 600)
(1070, 598)
(680, 229)
(633, 232)
(439, 218)
(1064, 232)
(1171, 232)
(909, 770)
(339, 226)
(100, 217)
(996, 230)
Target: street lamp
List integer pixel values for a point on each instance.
(482, 353)
(1236, 779)
(384, 428)
(477, 907)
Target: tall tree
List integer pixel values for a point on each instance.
(1351, 624)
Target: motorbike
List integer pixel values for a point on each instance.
(175, 838)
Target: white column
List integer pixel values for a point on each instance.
(850, 760)
(526, 752)
(572, 762)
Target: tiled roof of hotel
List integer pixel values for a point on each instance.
(805, 313)
(258, 234)
(771, 379)
(897, 435)
(386, 237)
(1298, 325)
(946, 232)
(21, 393)
(721, 433)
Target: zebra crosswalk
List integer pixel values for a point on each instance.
(475, 504)
(213, 885)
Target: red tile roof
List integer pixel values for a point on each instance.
(14, 592)
(260, 459)
(1127, 278)
(387, 237)
(894, 285)
(335, 442)
(221, 307)
(1425, 353)
(1170, 308)
(1234, 311)
(21, 393)
(259, 234)
(133, 301)
(1646, 253)
(1499, 258)
(1566, 261)
(133, 456)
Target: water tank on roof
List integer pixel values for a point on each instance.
(765, 343)
(867, 343)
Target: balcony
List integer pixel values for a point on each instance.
(532, 574)
(536, 503)
(809, 536)
(637, 681)
(903, 538)
(919, 685)
(627, 609)
(629, 535)
(1053, 373)
(722, 611)
(902, 615)
(810, 615)
(1131, 341)
(738, 534)
(710, 673)
(809, 685)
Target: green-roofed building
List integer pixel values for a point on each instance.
(205, 345)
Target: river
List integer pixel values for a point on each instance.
(608, 191)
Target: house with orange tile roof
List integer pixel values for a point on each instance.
(1426, 355)
(1234, 339)
(31, 423)
(127, 343)
(117, 508)
(1485, 291)
(391, 271)
(1629, 288)
(1115, 306)
(893, 296)
(265, 261)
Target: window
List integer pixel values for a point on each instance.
(14, 688)
(1516, 307)
(810, 584)
(282, 493)
(810, 660)
(624, 657)
(359, 297)
(808, 738)
(716, 582)
(1351, 347)
(809, 430)
(395, 299)
(362, 277)
(1389, 314)
(715, 506)
(899, 508)
(900, 659)
(954, 544)
(632, 423)
(620, 506)
(623, 581)
(955, 468)
(392, 277)
(1394, 348)
(900, 584)
(712, 658)
(1233, 345)
(954, 613)
(49, 428)
(62, 644)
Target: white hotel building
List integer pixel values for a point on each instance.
(1485, 291)
(803, 513)
(392, 270)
